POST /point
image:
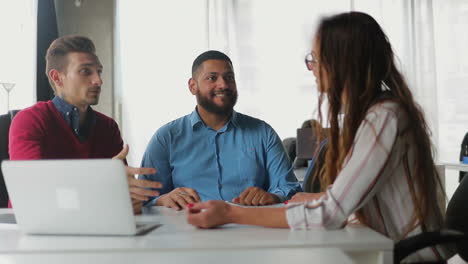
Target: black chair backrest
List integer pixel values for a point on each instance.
(289, 145)
(456, 217)
(462, 148)
(5, 122)
(454, 233)
(312, 184)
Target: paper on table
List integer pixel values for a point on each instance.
(278, 205)
(8, 221)
(7, 218)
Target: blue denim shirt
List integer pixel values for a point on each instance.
(221, 164)
(71, 114)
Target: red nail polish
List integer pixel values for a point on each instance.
(190, 205)
(286, 202)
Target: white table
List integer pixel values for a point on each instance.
(442, 166)
(450, 184)
(180, 241)
(236, 256)
(455, 166)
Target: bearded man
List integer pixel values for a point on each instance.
(216, 153)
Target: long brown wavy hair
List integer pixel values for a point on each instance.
(355, 59)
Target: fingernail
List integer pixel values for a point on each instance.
(286, 202)
(190, 205)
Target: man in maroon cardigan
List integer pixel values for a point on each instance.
(66, 127)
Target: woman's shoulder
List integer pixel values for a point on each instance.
(384, 109)
(386, 106)
(386, 113)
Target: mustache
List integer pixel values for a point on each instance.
(225, 91)
(95, 89)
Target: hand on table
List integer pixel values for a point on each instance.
(209, 214)
(256, 196)
(179, 198)
(305, 197)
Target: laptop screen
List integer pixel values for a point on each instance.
(85, 196)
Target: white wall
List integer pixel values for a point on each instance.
(273, 81)
(18, 52)
(94, 19)
(156, 42)
(451, 21)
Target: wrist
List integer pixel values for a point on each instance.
(234, 214)
(159, 200)
(276, 198)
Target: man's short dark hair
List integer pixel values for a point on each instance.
(208, 55)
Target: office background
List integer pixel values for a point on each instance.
(147, 48)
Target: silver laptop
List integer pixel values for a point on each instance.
(75, 197)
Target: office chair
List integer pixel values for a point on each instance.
(289, 145)
(456, 232)
(305, 151)
(462, 149)
(306, 143)
(5, 122)
(311, 184)
(301, 147)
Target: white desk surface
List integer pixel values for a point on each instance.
(176, 235)
(256, 256)
(455, 166)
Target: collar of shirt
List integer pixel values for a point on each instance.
(195, 120)
(71, 114)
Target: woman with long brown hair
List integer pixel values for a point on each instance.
(379, 163)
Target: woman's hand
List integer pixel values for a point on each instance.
(301, 197)
(209, 214)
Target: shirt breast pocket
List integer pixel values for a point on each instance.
(250, 169)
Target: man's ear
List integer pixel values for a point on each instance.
(192, 84)
(56, 78)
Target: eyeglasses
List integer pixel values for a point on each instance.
(310, 61)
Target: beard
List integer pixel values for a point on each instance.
(207, 103)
